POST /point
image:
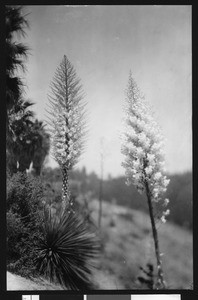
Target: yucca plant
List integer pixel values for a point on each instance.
(67, 248)
(67, 122)
(144, 160)
(67, 251)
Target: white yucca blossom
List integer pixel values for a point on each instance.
(166, 201)
(142, 147)
(66, 139)
(66, 120)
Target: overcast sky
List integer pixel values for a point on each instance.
(103, 43)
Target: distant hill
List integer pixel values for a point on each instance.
(115, 190)
(179, 192)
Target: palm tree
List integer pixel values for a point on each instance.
(20, 123)
(15, 53)
(40, 145)
(27, 140)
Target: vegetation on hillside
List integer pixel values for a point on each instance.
(24, 218)
(115, 191)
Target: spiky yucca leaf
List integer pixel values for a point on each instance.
(67, 251)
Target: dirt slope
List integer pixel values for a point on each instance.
(15, 282)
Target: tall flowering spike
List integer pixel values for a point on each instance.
(67, 120)
(143, 145)
(144, 158)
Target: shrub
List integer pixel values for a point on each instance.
(24, 194)
(24, 202)
(15, 230)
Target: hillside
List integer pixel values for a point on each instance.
(127, 245)
(114, 190)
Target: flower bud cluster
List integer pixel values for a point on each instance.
(67, 138)
(143, 146)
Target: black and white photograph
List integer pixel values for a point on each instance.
(99, 148)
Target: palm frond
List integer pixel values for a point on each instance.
(15, 21)
(14, 88)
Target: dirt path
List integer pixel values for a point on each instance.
(16, 282)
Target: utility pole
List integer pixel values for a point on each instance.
(101, 180)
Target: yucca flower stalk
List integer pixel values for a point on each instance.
(67, 248)
(144, 159)
(67, 122)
